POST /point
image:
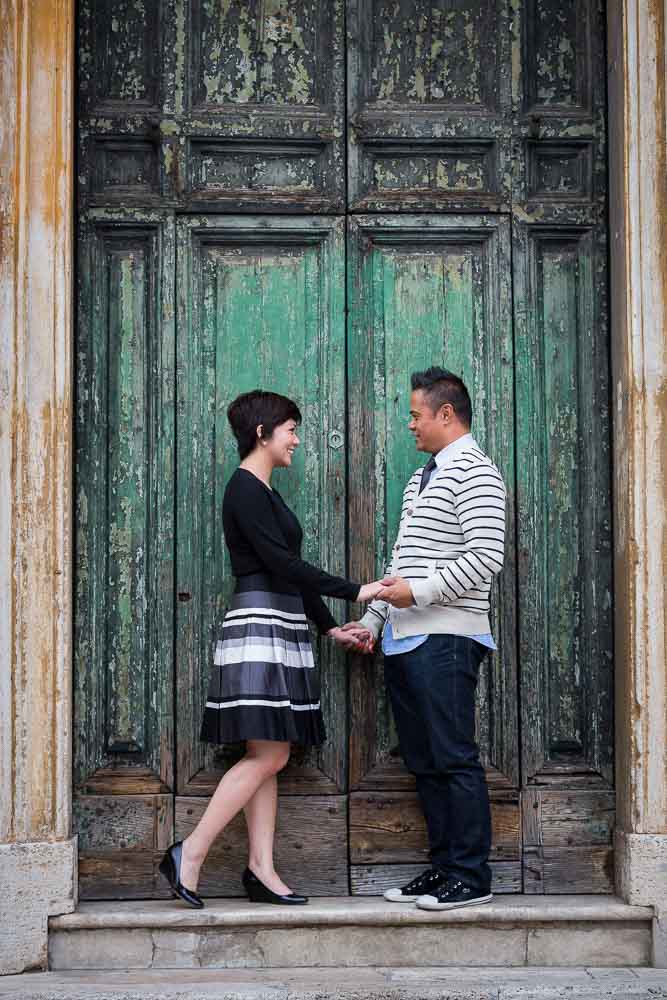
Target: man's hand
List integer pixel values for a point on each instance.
(354, 636)
(396, 592)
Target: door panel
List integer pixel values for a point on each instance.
(562, 427)
(425, 290)
(429, 105)
(123, 717)
(565, 582)
(260, 303)
(565, 559)
(213, 106)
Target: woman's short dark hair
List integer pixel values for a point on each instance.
(441, 386)
(251, 409)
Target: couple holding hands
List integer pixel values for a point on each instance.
(430, 612)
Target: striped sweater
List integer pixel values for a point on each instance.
(450, 544)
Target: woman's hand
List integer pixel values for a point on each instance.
(353, 637)
(369, 591)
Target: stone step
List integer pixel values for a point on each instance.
(596, 931)
(342, 984)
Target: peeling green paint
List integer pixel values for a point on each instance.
(487, 121)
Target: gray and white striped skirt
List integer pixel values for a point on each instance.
(263, 683)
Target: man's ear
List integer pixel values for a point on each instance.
(446, 412)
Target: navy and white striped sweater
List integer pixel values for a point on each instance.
(450, 544)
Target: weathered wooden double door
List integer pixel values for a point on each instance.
(320, 200)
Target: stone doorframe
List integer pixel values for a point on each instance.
(37, 849)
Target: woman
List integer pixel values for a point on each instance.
(264, 688)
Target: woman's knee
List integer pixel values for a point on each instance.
(271, 756)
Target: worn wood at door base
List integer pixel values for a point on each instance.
(121, 839)
(389, 827)
(311, 845)
(372, 880)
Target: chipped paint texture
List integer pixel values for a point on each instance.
(36, 77)
(639, 308)
(124, 502)
(268, 297)
(170, 90)
(554, 30)
(260, 53)
(244, 113)
(424, 287)
(429, 54)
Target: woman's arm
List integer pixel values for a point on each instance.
(317, 611)
(254, 513)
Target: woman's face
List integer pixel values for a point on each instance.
(282, 444)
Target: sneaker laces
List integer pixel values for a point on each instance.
(452, 885)
(422, 882)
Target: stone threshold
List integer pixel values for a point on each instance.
(595, 931)
(461, 983)
(342, 911)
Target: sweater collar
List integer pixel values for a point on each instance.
(450, 451)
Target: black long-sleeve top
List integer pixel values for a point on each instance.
(264, 536)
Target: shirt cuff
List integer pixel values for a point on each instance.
(372, 623)
(426, 591)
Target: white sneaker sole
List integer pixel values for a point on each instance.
(396, 896)
(431, 903)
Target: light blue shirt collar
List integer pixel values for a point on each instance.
(447, 453)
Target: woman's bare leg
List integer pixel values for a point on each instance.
(263, 759)
(260, 816)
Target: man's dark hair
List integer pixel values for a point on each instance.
(251, 409)
(441, 386)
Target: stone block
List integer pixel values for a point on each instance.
(341, 984)
(615, 945)
(364, 946)
(641, 867)
(38, 881)
(111, 948)
(659, 939)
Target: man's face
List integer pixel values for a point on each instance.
(427, 426)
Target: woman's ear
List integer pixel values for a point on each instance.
(259, 431)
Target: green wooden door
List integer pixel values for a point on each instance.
(124, 532)
(259, 302)
(322, 198)
(422, 288)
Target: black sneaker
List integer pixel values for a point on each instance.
(453, 893)
(428, 881)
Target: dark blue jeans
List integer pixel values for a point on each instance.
(432, 693)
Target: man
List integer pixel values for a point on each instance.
(433, 616)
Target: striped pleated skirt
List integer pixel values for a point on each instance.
(263, 683)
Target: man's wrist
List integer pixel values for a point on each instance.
(371, 622)
(424, 592)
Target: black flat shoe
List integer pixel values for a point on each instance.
(170, 867)
(259, 893)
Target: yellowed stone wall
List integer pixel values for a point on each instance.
(37, 854)
(638, 222)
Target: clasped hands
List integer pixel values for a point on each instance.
(392, 589)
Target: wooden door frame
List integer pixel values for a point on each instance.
(37, 74)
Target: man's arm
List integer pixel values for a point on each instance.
(375, 618)
(480, 506)
(378, 611)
